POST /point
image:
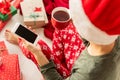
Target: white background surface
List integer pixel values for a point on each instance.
(27, 67)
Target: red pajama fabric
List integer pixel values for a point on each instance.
(49, 6)
(66, 47)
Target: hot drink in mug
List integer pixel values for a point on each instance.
(60, 17)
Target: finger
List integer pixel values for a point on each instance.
(7, 30)
(30, 27)
(6, 33)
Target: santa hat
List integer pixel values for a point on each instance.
(96, 20)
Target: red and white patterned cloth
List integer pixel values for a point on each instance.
(9, 64)
(67, 46)
(26, 52)
(3, 49)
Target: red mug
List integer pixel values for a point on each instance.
(60, 17)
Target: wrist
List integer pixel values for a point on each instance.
(41, 59)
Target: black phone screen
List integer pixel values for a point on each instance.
(26, 34)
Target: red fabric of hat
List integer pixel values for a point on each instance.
(104, 14)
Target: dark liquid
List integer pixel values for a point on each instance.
(61, 16)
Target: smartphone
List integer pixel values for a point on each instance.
(25, 33)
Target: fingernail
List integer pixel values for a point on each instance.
(7, 30)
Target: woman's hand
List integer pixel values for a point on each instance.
(36, 51)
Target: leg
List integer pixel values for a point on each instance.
(11, 37)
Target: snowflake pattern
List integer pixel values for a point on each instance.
(67, 46)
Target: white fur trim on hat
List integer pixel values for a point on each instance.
(84, 26)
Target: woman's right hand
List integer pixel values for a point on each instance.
(36, 51)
